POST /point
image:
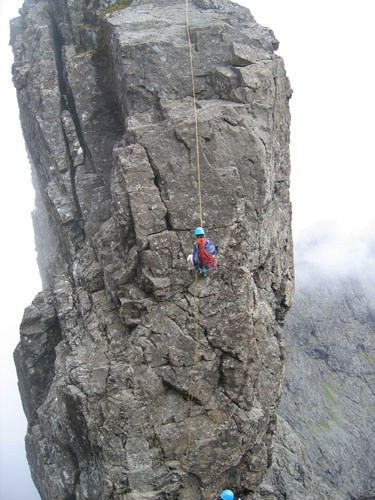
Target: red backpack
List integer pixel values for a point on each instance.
(206, 258)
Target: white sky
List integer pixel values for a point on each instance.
(19, 276)
(327, 48)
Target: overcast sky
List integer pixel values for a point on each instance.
(327, 48)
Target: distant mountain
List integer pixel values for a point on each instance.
(329, 394)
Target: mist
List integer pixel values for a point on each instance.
(328, 251)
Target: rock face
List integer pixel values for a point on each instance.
(107, 348)
(328, 398)
(292, 475)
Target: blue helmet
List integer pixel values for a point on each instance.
(227, 495)
(199, 230)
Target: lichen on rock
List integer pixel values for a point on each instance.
(107, 114)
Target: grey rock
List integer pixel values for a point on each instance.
(291, 474)
(328, 398)
(107, 113)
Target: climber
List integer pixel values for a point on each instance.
(226, 495)
(203, 252)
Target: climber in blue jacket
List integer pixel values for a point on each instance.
(203, 252)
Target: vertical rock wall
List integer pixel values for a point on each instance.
(107, 348)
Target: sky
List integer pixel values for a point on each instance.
(326, 46)
(19, 274)
(327, 49)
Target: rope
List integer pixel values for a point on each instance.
(195, 113)
(196, 295)
(194, 369)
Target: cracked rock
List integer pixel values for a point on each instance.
(107, 350)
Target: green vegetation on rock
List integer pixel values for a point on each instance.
(122, 4)
(331, 400)
(322, 426)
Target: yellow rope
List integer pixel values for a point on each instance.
(196, 295)
(195, 113)
(194, 369)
